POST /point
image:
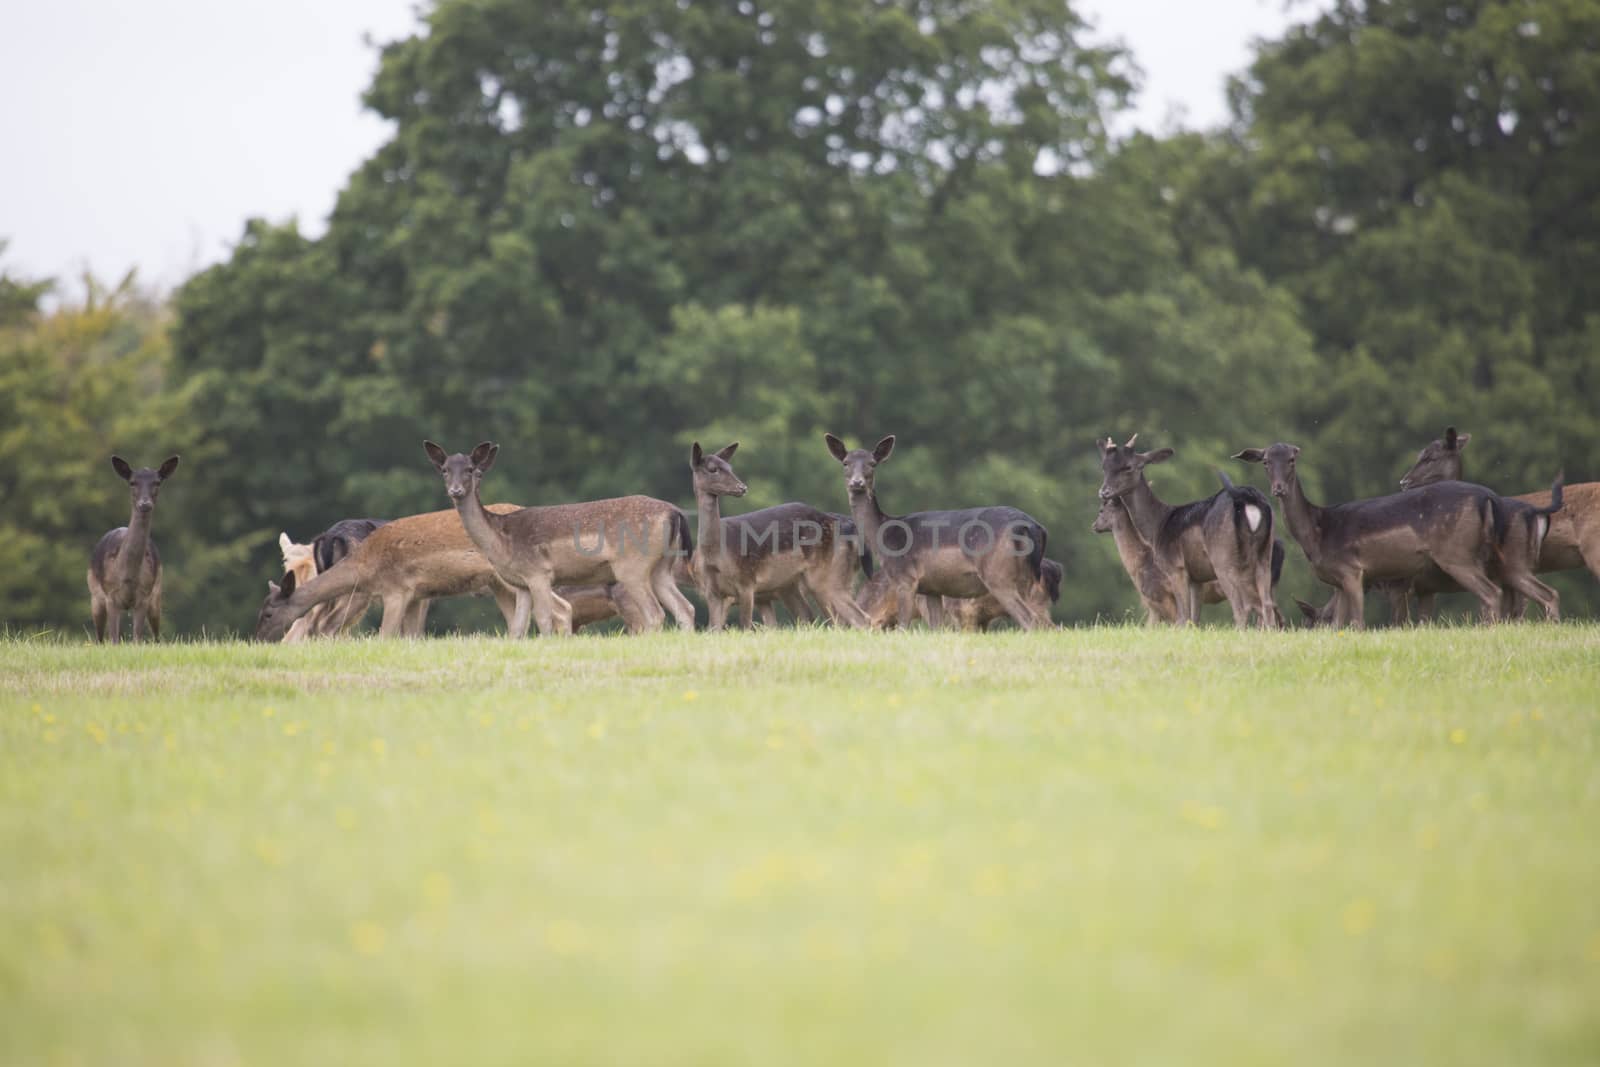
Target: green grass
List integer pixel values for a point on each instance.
(1093, 846)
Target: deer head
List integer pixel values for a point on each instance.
(713, 473)
(144, 483)
(1122, 469)
(859, 464)
(1439, 461)
(1279, 460)
(462, 473)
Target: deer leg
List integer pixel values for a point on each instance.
(394, 616)
(1015, 605)
(1524, 587)
(905, 600)
(1351, 608)
(114, 623)
(671, 597)
(505, 598)
(633, 573)
(97, 610)
(1470, 576)
(716, 610)
(416, 617)
(747, 606)
(138, 622)
(769, 612)
(795, 602)
(933, 611)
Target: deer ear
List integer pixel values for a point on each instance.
(284, 543)
(120, 465)
(273, 588)
(836, 446)
(1250, 455)
(883, 448)
(1102, 447)
(166, 469)
(483, 456)
(727, 452)
(436, 454)
(696, 454)
(1160, 455)
(1461, 440)
(288, 584)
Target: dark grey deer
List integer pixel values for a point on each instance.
(970, 552)
(767, 553)
(1453, 525)
(1226, 538)
(125, 568)
(1532, 522)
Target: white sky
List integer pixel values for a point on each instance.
(145, 133)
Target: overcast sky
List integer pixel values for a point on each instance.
(144, 134)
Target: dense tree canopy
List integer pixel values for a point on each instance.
(598, 233)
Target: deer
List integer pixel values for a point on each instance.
(1156, 586)
(1226, 538)
(403, 565)
(631, 540)
(1452, 525)
(774, 551)
(1548, 531)
(976, 614)
(125, 568)
(325, 551)
(967, 552)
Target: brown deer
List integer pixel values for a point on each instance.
(403, 565)
(976, 614)
(125, 568)
(1547, 531)
(771, 551)
(1226, 538)
(631, 540)
(1452, 525)
(969, 552)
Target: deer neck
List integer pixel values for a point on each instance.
(1145, 512)
(1131, 548)
(130, 558)
(330, 584)
(486, 529)
(708, 520)
(1303, 517)
(869, 519)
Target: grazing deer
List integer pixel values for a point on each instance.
(970, 552)
(403, 566)
(771, 551)
(125, 568)
(1226, 538)
(630, 540)
(1453, 525)
(324, 552)
(976, 614)
(1542, 534)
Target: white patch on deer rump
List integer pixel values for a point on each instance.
(1252, 515)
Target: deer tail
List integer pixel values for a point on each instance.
(679, 535)
(1037, 535)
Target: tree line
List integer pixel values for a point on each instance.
(599, 233)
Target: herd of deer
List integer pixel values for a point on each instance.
(566, 566)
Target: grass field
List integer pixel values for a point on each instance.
(1091, 846)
